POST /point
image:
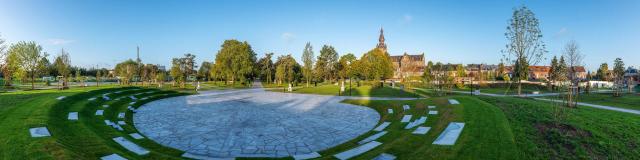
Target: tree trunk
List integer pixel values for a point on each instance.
(32, 84)
(519, 87)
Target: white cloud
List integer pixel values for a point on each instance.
(406, 19)
(562, 32)
(59, 41)
(288, 37)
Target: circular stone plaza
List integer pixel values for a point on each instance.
(253, 123)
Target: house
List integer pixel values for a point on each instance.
(539, 72)
(405, 65)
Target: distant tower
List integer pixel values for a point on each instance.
(381, 44)
(138, 54)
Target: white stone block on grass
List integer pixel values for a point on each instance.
(72, 116)
(113, 157)
(382, 126)
(105, 106)
(417, 122)
(433, 112)
(372, 137)
(121, 115)
(39, 132)
(450, 134)
(311, 155)
(131, 146)
(406, 107)
(453, 101)
(390, 111)
(384, 156)
(358, 150)
(406, 118)
(421, 130)
(99, 112)
(133, 98)
(117, 127)
(61, 97)
(131, 103)
(106, 98)
(122, 123)
(431, 107)
(92, 99)
(108, 122)
(136, 136)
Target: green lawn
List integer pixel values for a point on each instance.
(630, 101)
(364, 91)
(585, 133)
(486, 134)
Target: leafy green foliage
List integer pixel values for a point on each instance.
(235, 61)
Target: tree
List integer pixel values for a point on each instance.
(501, 71)
(235, 60)
(376, 65)
(553, 75)
(460, 72)
(525, 45)
(574, 60)
(344, 66)
(427, 75)
(98, 77)
(205, 69)
(62, 64)
(266, 68)
(160, 78)
(603, 72)
(126, 71)
(287, 69)
(307, 60)
(326, 63)
(618, 74)
(177, 72)
(29, 55)
(79, 77)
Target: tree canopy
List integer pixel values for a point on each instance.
(235, 60)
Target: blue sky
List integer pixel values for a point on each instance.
(102, 33)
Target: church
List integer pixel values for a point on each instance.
(406, 65)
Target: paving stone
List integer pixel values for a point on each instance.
(384, 156)
(121, 115)
(406, 107)
(433, 112)
(417, 122)
(131, 103)
(252, 123)
(390, 111)
(358, 150)
(122, 123)
(113, 157)
(311, 155)
(453, 101)
(421, 130)
(431, 107)
(450, 134)
(382, 126)
(406, 118)
(105, 106)
(92, 99)
(131, 146)
(99, 112)
(61, 97)
(39, 132)
(372, 137)
(72, 116)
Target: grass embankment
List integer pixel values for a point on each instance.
(363, 91)
(486, 134)
(88, 138)
(629, 101)
(585, 133)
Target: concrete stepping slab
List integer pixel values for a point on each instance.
(136, 136)
(61, 97)
(106, 98)
(39, 132)
(453, 101)
(133, 98)
(197, 156)
(92, 99)
(358, 150)
(433, 112)
(108, 122)
(421, 130)
(105, 106)
(390, 111)
(121, 115)
(131, 146)
(72, 116)
(385, 156)
(406, 118)
(450, 134)
(131, 103)
(372, 137)
(406, 107)
(99, 112)
(431, 107)
(113, 157)
(117, 127)
(122, 123)
(417, 122)
(382, 126)
(311, 155)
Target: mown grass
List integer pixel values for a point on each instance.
(583, 133)
(629, 101)
(363, 91)
(486, 134)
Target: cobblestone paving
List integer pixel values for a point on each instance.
(253, 123)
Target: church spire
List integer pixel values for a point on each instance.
(381, 44)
